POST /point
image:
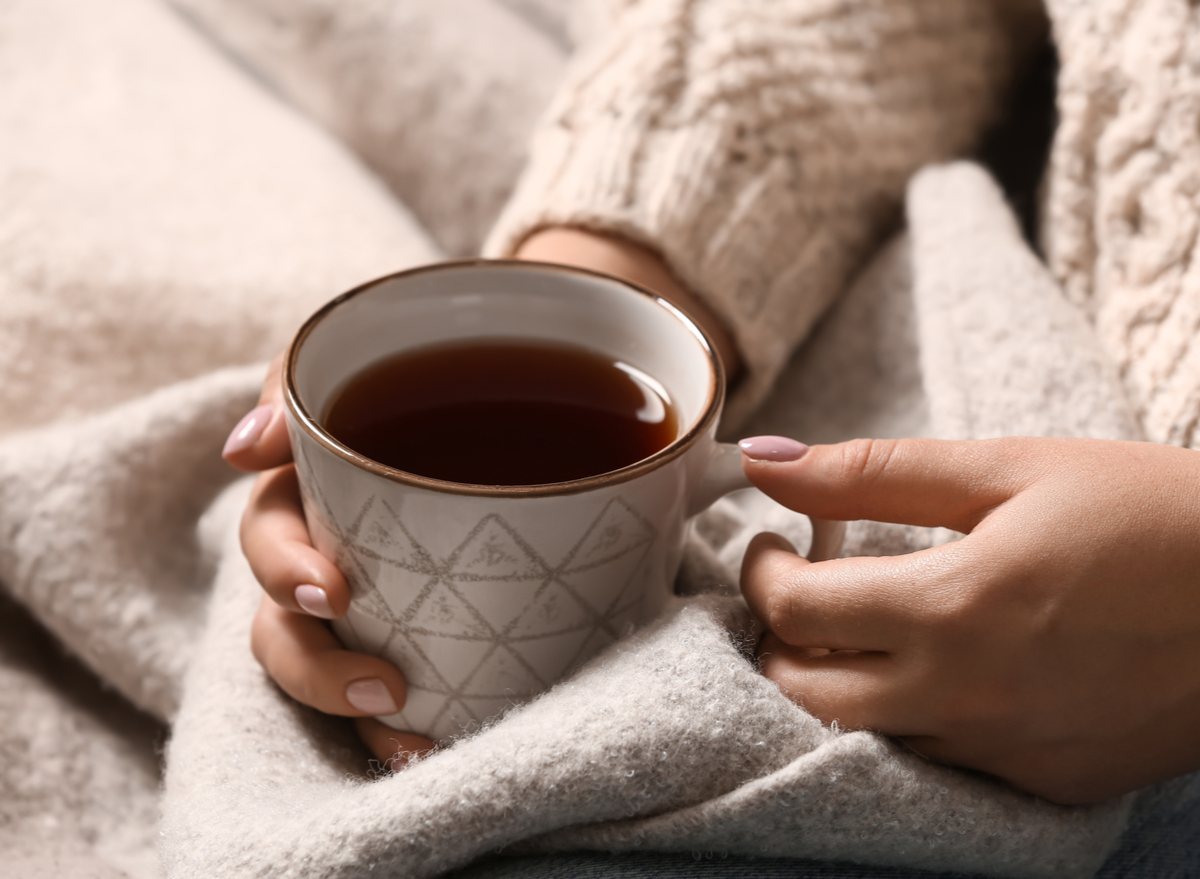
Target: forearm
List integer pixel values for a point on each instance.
(760, 146)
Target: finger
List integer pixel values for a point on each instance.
(913, 482)
(260, 440)
(854, 689)
(391, 747)
(276, 543)
(845, 604)
(309, 664)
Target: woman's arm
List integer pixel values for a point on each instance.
(761, 147)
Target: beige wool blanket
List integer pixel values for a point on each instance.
(167, 219)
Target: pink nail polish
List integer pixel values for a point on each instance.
(248, 430)
(371, 697)
(314, 600)
(772, 448)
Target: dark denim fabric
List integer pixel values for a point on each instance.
(586, 865)
(1162, 841)
(1163, 837)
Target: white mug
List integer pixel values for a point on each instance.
(485, 595)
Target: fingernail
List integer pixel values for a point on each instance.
(772, 448)
(314, 600)
(248, 430)
(371, 697)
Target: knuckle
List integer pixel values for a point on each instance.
(974, 608)
(283, 663)
(301, 677)
(279, 575)
(953, 615)
(250, 525)
(778, 610)
(864, 461)
(784, 607)
(305, 689)
(279, 583)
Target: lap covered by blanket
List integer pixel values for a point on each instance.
(179, 188)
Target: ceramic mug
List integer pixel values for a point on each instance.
(485, 595)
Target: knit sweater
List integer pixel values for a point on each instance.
(763, 146)
(1123, 205)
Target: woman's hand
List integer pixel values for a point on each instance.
(1056, 646)
(290, 637)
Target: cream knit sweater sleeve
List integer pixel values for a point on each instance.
(762, 146)
(1122, 230)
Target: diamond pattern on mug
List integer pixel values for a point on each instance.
(455, 659)
(419, 671)
(444, 612)
(521, 679)
(380, 534)
(493, 602)
(554, 609)
(497, 605)
(483, 707)
(607, 564)
(601, 586)
(618, 530)
(552, 656)
(495, 552)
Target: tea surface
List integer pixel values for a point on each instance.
(502, 412)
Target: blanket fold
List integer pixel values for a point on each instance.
(100, 529)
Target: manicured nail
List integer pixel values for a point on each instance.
(314, 600)
(772, 448)
(248, 430)
(371, 697)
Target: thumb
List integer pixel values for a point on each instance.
(260, 440)
(907, 481)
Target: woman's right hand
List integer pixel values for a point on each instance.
(290, 636)
(1055, 646)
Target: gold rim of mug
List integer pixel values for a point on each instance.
(712, 405)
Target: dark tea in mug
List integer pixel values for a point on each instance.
(503, 412)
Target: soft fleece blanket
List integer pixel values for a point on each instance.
(168, 216)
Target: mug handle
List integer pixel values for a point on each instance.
(725, 474)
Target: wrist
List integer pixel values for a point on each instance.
(639, 265)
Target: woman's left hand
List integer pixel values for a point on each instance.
(290, 636)
(1057, 645)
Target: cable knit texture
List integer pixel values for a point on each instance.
(762, 146)
(1123, 207)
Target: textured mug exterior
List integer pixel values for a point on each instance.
(484, 596)
(485, 601)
